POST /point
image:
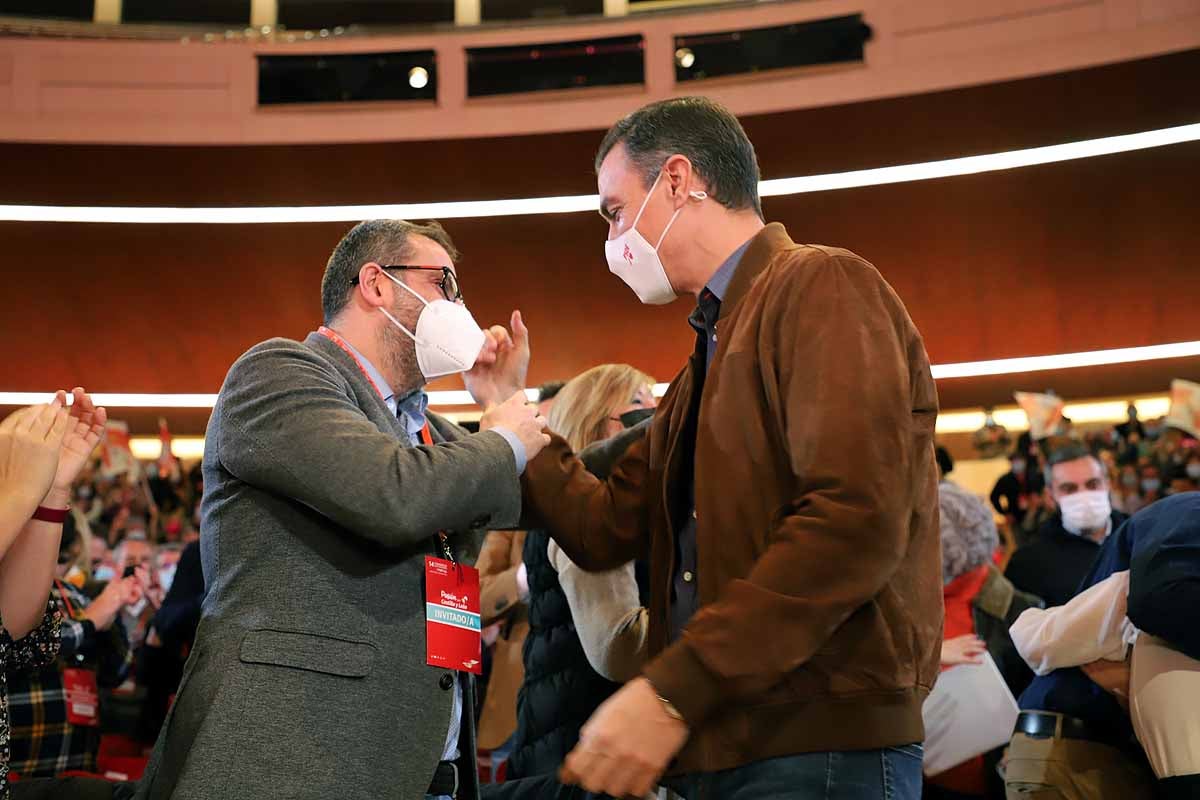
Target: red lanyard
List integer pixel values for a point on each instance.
(340, 342)
(66, 601)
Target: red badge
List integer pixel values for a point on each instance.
(452, 629)
(83, 697)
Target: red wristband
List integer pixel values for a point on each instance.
(55, 515)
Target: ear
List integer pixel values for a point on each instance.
(681, 178)
(369, 286)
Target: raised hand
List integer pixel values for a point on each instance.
(82, 435)
(502, 365)
(30, 441)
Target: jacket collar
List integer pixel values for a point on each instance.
(760, 252)
(996, 596)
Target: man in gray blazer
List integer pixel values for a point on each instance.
(309, 677)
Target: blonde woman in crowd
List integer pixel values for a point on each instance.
(587, 630)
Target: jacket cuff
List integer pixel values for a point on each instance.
(681, 678)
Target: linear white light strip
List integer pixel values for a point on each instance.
(1095, 358)
(992, 162)
(969, 165)
(970, 369)
(149, 448)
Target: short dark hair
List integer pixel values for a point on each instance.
(696, 127)
(944, 461)
(384, 241)
(549, 389)
(1066, 454)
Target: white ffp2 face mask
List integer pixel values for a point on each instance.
(448, 339)
(1085, 511)
(632, 259)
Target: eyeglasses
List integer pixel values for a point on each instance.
(448, 284)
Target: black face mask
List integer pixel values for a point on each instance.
(632, 418)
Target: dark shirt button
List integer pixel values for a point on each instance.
(446, 681)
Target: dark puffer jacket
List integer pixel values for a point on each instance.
(561, 689)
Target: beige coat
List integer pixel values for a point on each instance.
(501, 603)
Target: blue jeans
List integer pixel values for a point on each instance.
(893, 773)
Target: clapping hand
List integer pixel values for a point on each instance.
(83, 433)
(30, 444)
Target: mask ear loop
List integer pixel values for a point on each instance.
(388, 314)
(675, 216)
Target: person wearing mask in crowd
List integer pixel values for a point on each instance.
(328, 489)
(1148, 599)
(980, 604)
(774, 509)
(134, 555)
(504, 595)
(42, 451)
(546, 394)
(1152, 485)
(1127, 494)
(1009, 495)
(1052, 566)
(587, 630)
(172, 633)
(54, 710)
(1192, 468)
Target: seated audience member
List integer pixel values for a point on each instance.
(1054, 564)
(1127, 493)
(1144, 589)
(581, 625)
(1152, 485)
(51, 732)
(503, 596)
(980, 606)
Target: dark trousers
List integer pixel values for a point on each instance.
(892, 773)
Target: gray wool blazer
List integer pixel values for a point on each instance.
(308, 677)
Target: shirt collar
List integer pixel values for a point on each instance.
(411, 411)
(718, 284)
(375, 375)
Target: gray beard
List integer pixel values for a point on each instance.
(400, 358)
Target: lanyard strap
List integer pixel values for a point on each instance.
(64, 598)
(443, 537)
(332, 336)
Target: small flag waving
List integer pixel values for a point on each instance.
(1185, 407)
(166, 459)
(115, 456)
(1044, 411)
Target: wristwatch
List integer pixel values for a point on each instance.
(667, 705)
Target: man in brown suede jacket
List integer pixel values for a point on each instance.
(786, 492)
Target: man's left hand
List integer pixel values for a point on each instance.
(503, 363)
(627, 744)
